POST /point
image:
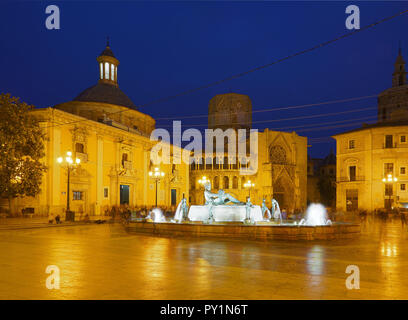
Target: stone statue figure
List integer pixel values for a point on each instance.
(215, 199)
(184, 208)
(218, 198)
(182, 211)
(264, 209)
(248, 207)
(276, 213)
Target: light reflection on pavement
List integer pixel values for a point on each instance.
(104, 262)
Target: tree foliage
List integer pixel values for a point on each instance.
(21, 149)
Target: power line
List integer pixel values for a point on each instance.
(286, 119)
(275, 109)
(318, 46)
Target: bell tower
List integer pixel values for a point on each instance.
(108, 66)
(399, 76)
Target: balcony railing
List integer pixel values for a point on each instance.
(127, 165)
(82, 156)
(350, 179)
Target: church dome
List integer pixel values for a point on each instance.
(105, 93)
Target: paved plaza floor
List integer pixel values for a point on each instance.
(104, 262)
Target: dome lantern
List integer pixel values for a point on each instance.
(108, 66)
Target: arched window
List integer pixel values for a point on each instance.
(124, 158)
(112, 73)
(101, 69)
(225, 164)
(216, 166)
(208, 163)
(216, 182)
(277, 155)
(235, 165)
(79, 147)
(201, 165)
(226, 183)
(106, 71)
(235, 183)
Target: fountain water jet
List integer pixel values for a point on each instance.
(156, 215)
(316, 215)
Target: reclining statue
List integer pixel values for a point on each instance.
(218, 198)
(215, 199)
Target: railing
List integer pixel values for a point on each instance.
(347, 179)
(82, 156)
(127, 165)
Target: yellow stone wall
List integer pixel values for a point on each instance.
(369, 157)
(101, 167)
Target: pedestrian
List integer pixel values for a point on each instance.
(58, 219)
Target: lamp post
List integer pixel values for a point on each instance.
(390, 180)
(249, 185)
(70, 164)
(156, 174)
(203, 181)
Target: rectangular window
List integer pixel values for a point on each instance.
(403, 187)
(106, 192)
(403, 170)
(352, 173)
(352, 144)
(388, 189)
(388, 141)
(388, 168)
(77, 195)
(403, 139)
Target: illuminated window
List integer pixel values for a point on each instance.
(112, 71)
(106, 70)
(388, 168)
(79, 147)
(101, 65)
(78, 195)
(352, 144)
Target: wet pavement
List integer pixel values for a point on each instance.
(104, 262)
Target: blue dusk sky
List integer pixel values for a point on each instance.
(166, 48)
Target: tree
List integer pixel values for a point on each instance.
(21, 150)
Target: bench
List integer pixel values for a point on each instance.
(28, 212)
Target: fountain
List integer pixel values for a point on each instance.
(156, 215)
(316, 215)
(223, 216)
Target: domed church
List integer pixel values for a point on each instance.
(102, 128)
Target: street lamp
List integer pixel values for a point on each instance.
(249, 185)
(156, 174)
(390, 180)
(203, 181)
(70, 164)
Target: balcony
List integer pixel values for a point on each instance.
(351, 179)
(127, 165)
(82, 156)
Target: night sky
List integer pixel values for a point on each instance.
(166, 48)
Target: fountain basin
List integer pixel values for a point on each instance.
(224, 213)
(257, 232)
